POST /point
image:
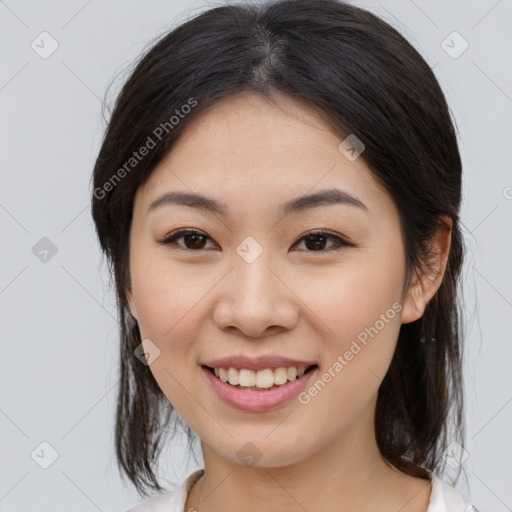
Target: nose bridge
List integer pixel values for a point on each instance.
(254, 283)
(254, 297)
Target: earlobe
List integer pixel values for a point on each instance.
(131, 304)
(414, 304)
(425, 287)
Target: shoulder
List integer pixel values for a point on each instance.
(172, 501)
(445, 498)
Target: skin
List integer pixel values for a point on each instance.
(252, 154)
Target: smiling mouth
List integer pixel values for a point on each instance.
(267, 379)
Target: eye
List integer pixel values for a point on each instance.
(316, 240)
(195, 240)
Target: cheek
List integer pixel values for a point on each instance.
(360, 317)
(166, 294)
(169, 299)
(359, 306)
(350, 299)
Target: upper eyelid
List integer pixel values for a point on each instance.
(180, 233)
(194, 231)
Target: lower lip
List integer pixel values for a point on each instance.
(256, 401)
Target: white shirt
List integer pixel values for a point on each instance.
(443, 498)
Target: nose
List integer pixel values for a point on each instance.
(255, 298)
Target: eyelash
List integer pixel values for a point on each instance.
(171, 239)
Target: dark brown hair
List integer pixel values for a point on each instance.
(364, 78)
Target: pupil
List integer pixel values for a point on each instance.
(317, 239)
(194, 243)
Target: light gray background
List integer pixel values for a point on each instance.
(58, 320)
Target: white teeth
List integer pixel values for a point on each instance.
(280, 375)
(263, 379)
(246, 378)
(233, 376)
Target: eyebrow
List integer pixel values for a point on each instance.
(299, 204)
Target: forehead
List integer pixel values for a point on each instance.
(253, 149)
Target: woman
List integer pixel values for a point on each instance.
(278, 196)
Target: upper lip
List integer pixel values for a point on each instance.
(257, 363)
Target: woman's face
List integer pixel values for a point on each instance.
(255, 281)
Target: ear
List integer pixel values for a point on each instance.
(425, 287)
(131, 304)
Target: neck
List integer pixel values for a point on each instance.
(348, 474)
